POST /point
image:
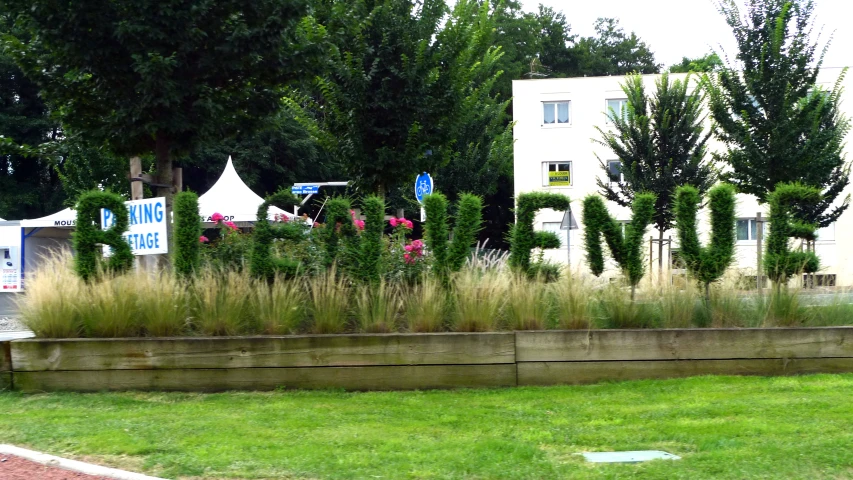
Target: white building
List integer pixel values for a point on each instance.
(555, 151)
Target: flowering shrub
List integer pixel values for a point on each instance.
(414, 251)
(203, 239)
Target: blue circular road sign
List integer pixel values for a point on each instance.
(423, 186)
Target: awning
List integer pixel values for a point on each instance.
(63, 218)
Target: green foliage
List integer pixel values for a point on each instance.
(523, 239)
(780, 262)
(778, 124)
(161, 76)
(708, 63)
(370, 258)
(448, 258)
(436, 231)
(706, 264)
(187, 256)
(339, 233)
(263, 264)
(469, 219)
(613, 52)
(397, 85)
(626, 249)
(88, 236)
(661, 143)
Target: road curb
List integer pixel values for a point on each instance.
(72, 465)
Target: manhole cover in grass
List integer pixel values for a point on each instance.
(628, 457)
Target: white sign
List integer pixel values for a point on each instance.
(10, 259)
(147, 232)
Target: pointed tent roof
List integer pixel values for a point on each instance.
(233, 199)
(62, 218)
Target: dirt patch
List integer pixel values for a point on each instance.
(16, 468)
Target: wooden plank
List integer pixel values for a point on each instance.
(249, 352)
(557, 373)
(5, 357)
(209, 380)
(684, 344)
(5, 381)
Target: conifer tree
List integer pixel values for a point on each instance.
(625, 249)
(187, 256)
(661, 143)
(450, 256)
(706, 264)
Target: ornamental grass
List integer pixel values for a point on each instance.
(57, 304)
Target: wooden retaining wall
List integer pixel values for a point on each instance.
(572, 357)
(419, 361)
(5, 366)
(353, 362)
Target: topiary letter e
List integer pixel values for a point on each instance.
(88, 235)
(263, 264)
(522, 238)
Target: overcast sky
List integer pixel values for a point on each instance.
(677, 28)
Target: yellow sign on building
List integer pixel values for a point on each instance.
(559, 179)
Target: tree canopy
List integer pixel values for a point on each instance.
(777, 123)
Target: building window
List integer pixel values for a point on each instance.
(614, 171)
(619, 106)
(554, 227)
(555, 113)
(826, 234)
(556, 174)
(747, 231)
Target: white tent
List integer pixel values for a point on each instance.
(233, 199)
(62, 218)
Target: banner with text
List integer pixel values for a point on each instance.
(147, 232)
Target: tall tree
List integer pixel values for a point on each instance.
(146, 75)
(613, 52)
(661, 143)
(778, 125)
(30, 186)
(397, 82)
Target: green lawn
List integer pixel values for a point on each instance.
(723, 427)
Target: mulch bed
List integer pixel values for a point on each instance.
(16, 468)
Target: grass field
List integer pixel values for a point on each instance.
(723, 427)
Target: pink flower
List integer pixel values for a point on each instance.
(408, 224)
(359, 224)
(231, 225)
(409, 248)
(203, 239)
(393, 222)
(217, 217)
(418, 244)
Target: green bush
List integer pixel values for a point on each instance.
(523, 239)
(625, 249)
(780, 262)
(436, 231)
(371, 248)
(706, 264)
(88, 235)
(469, 219)
(264, 264)
(187, 255)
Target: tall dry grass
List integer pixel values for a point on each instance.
(279, 308)
(425, 306)
(572, 297)
(163, 304)
(527, 304)
(50, 305)
(478, 298)
(377, 307)
(328, 301)
(220, 303)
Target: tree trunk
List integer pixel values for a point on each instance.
(162, 153)
(633, 292)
